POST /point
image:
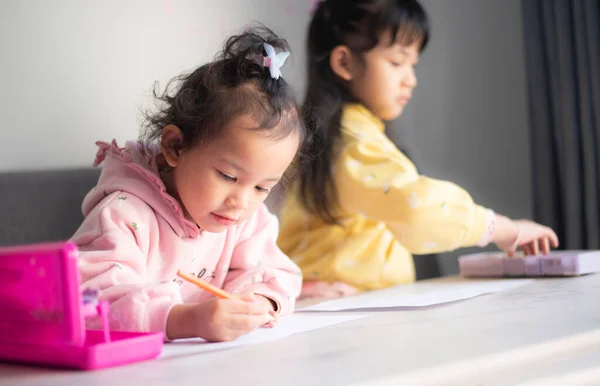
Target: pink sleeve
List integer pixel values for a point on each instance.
(259, 266)
(114, 241)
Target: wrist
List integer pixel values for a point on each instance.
(180, 323)
(506, 234)
(490, 228)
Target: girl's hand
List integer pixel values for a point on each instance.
(534, 238)
(269, 304)
(217, 320)
(527, 235)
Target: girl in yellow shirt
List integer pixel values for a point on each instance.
(360, 209)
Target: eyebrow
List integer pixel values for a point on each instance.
(241, 169)
(404, 51)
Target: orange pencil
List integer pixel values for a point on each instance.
(205, 286)
(209, 287)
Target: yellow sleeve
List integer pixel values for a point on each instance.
(426, 215)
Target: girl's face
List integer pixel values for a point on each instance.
(223, 182)
(384, 77)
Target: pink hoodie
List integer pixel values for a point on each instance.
(134, 239)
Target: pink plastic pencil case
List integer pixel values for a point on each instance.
(556, 263)
(43, 312)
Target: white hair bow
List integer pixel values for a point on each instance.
(274, 61)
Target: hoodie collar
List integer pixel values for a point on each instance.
(133, 169)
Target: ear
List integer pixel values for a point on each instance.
(171, 144)
(342, 63)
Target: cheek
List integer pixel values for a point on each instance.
(256, 202)
(211, 188)
(367, 89)
(391, 78)
(188, 194)
(195, 188)
(379, 80)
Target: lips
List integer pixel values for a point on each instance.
(224, 220)
(403, 100)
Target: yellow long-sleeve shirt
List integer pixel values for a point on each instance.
(387, 209)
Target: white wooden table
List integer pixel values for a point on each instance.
(385, 344)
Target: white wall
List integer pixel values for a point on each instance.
(74, 72)
(468, 122)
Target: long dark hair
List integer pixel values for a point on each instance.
(359, 25)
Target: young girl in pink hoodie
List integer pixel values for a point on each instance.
(189, 196)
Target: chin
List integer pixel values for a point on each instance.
(213, 228)
(393, 114)
(390, 114)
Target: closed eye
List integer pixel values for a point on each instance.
(227, 177)
(263, 190)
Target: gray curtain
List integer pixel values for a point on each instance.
(562, 42)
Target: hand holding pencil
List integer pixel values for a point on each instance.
(223, 318)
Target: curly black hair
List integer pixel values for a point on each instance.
(236, 82)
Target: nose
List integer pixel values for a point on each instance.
(410, 78)
(238, 199)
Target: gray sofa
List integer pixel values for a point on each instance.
(41, 206)
(38, 206)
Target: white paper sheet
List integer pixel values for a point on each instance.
(421, 295)
(288, 325)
